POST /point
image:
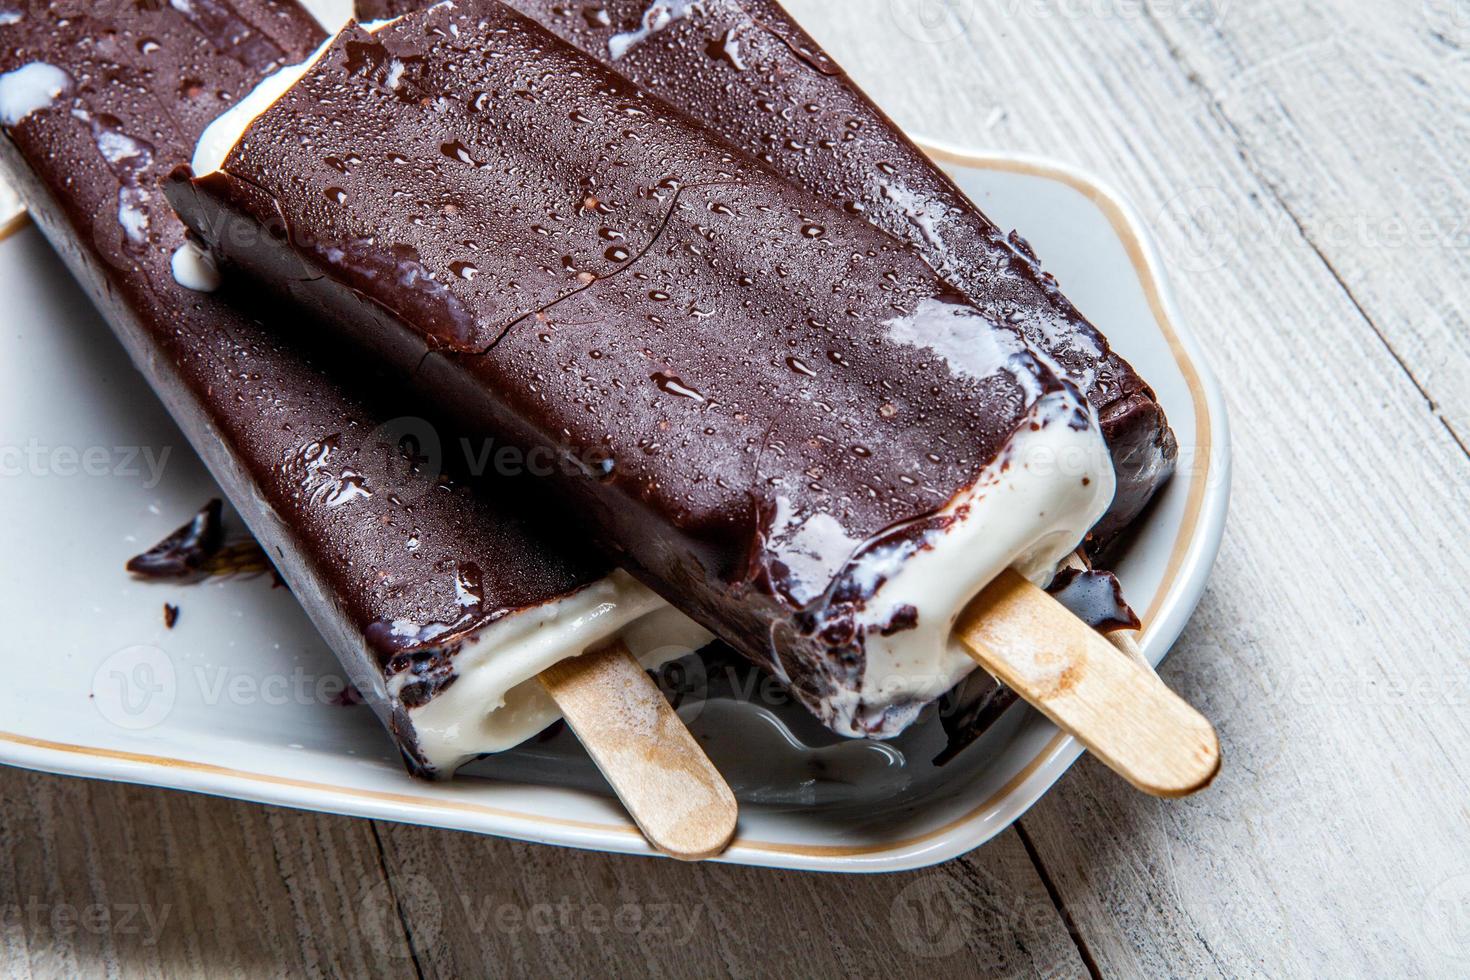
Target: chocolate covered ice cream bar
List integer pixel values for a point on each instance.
(779, 416)
(746, 70)
(441, 600)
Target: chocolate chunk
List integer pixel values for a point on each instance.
(184, 552)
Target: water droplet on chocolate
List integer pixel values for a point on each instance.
(465, 270)
(458, 151)
(800, 367)
(336, 195)
(673, 385)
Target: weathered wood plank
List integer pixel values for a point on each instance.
(151, 883)
(1357, 118)
(104, 879)
(479, 904)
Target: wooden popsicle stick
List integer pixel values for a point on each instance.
(665, 780)
(1117, 708)
(1125, 641)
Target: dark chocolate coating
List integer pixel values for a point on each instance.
(312, 464)
(745, 69)
(709, 341)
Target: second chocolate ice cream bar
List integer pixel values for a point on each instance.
(747, 70)
(441, 599)
(780, 417)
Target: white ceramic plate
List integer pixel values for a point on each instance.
(238, 699)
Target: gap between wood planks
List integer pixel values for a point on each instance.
(1074, 933)
(399, 912)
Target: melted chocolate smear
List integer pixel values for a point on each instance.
(426, 651)
(967, 711)
(423, 298)
(186, 551)
(1096, 598)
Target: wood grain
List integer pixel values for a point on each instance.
(237, 889)
(662, 775)
(105, 879)
(519, 909)
(1089, 688)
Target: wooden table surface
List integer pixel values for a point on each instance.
(1303, 165)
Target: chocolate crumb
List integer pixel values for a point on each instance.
(170, 615)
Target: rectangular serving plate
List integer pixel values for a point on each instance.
(240, 699)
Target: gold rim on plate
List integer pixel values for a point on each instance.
(1117, 216)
